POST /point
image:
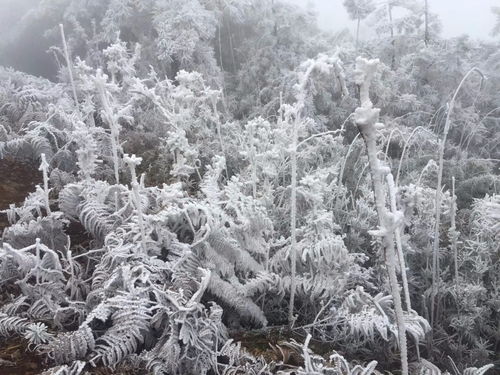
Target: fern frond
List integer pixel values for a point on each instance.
(228, 248)
(164, 358)
(478, 371)
(75, 368)
(10, 325)
(70, 199)
(261, 283)
(42, 309)
(49, 229)
(229, 296)
(130, 323)
(20, 304)
(71, 346)
(95, 218)
(416, 325)
(40, 145)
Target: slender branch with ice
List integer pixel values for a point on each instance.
(366, 118)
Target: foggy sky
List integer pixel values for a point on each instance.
(26, 50)
(458, 17)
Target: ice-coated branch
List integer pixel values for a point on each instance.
(324, 64)
(363, 76)
(44, 168)
(366, 118)
(111, 119)
(68, 64)
(196, 297)
(132, 162)
(293, 220)
(397, 233)
(442, 144)
(453, 233)
(213, 99)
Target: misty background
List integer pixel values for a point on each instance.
(458, 17)
(25, 42)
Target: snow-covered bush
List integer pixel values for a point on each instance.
(202, 180)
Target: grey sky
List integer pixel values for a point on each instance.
(473, 17)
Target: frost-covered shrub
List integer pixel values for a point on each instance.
(238, 117)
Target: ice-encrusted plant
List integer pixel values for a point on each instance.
(44, 168)
(293, 115)
(132, 162)
(366, 118)
(442, 144)
(112, 119)
(137, 288)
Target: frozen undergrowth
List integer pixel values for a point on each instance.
(210, 214)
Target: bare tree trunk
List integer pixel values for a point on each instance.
(453, 229)
(426, 37)
(357, 34)
(220, 46)
(293, 217)
(393, 41)
(231, 47)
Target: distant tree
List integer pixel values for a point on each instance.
(406, 22)
(426, 37)
(358, 10)
(173, 35)
(274, 39)
(496, 29)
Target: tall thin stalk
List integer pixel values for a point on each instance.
(357, 33)
(219, 131)
(426, 36)
(366, 118)
(397, 234)
(442, 143)
(405, 147)
(322, 63)
(301, 97)
(68, 64)
(293, 204)
(112, 121)
(44, 168)
(132, 162)
(453, 229)
(253, 161)
(393, 40)
(293, 219)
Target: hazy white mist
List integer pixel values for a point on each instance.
(472, 17)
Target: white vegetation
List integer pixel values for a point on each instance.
(203, 180)
(366, 118)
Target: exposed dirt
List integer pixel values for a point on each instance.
(17, 180)
(274, 345)
(16, 359)
(79, 237)
(272, 349)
